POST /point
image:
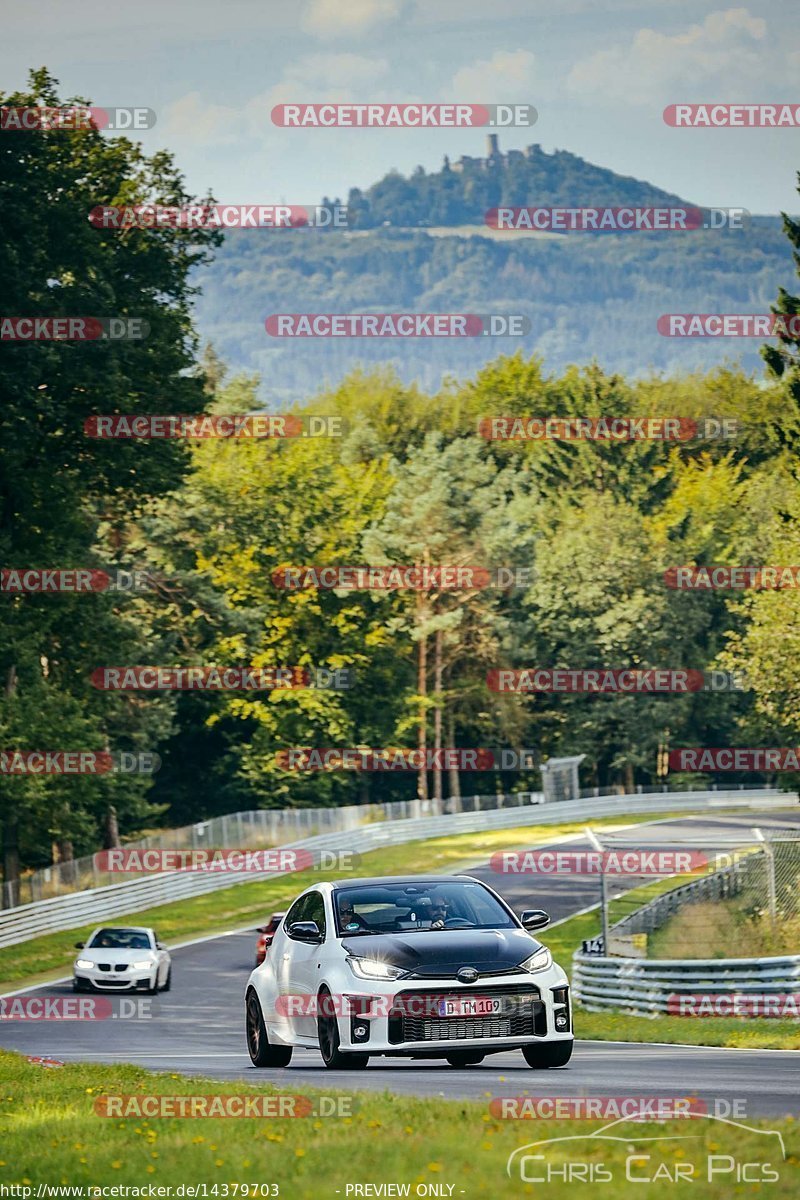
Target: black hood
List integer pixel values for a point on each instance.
(443, 951)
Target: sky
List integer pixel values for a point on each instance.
(599, 75)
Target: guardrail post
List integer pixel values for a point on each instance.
(597, 845)
(769, 855)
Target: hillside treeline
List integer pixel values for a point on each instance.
(409, 481)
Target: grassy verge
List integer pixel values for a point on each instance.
(739, 1032)
(724, 929)
(51, 1134)
(243, 903)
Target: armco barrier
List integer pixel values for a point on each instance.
(262, 828)
(122, 899)
(644, 986)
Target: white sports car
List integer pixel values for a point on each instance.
(117, 959)
(424, 967)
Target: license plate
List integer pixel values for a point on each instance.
(470, 1006)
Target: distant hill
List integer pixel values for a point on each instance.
(587, 296)
(462, 192)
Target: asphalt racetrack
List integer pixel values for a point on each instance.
(198, 1027)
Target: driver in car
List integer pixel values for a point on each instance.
(349, 919)
(438, 913)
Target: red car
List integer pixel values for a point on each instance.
(265, 935)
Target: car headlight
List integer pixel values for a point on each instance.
(539, 961)
(373, 968)
(144, 965)
(84, 962)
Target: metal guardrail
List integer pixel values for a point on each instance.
(134, 896)
(646, 987)
(262, 828)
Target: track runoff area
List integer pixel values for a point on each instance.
(197, 1028)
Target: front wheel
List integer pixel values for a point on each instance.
(328, 1034)
(464, 1059)
(550, 1054)
(168, 981)
(262, 1052)
(81, 985)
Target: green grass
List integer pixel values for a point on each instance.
(724, 929)
(245, 903)
(741, 1032)
(735, 1032)
(51, 1134)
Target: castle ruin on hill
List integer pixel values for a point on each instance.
(494, 157)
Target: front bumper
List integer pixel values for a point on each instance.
(406, 1017)
(115, 979)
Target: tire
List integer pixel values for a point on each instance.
(168, 981)
(262, 1053)
(463, 1058)
(328, 1035)
(551, 1054)
(81, 985)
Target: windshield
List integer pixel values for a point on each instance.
(120, 939)
(410, 907)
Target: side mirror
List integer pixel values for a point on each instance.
(160, 946)
(261, 929)
(79, 945)
(304, 931)
(534, 918)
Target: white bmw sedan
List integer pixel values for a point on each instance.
(422, 967)
(117, 959)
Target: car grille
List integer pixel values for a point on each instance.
(113, 967)
(522, 1015)
(438, 973)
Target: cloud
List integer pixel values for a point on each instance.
(507, 75)
(726, 52)
(193, 121)
(197, 122)
(336, 70)
(316, 78)
(346, 18)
